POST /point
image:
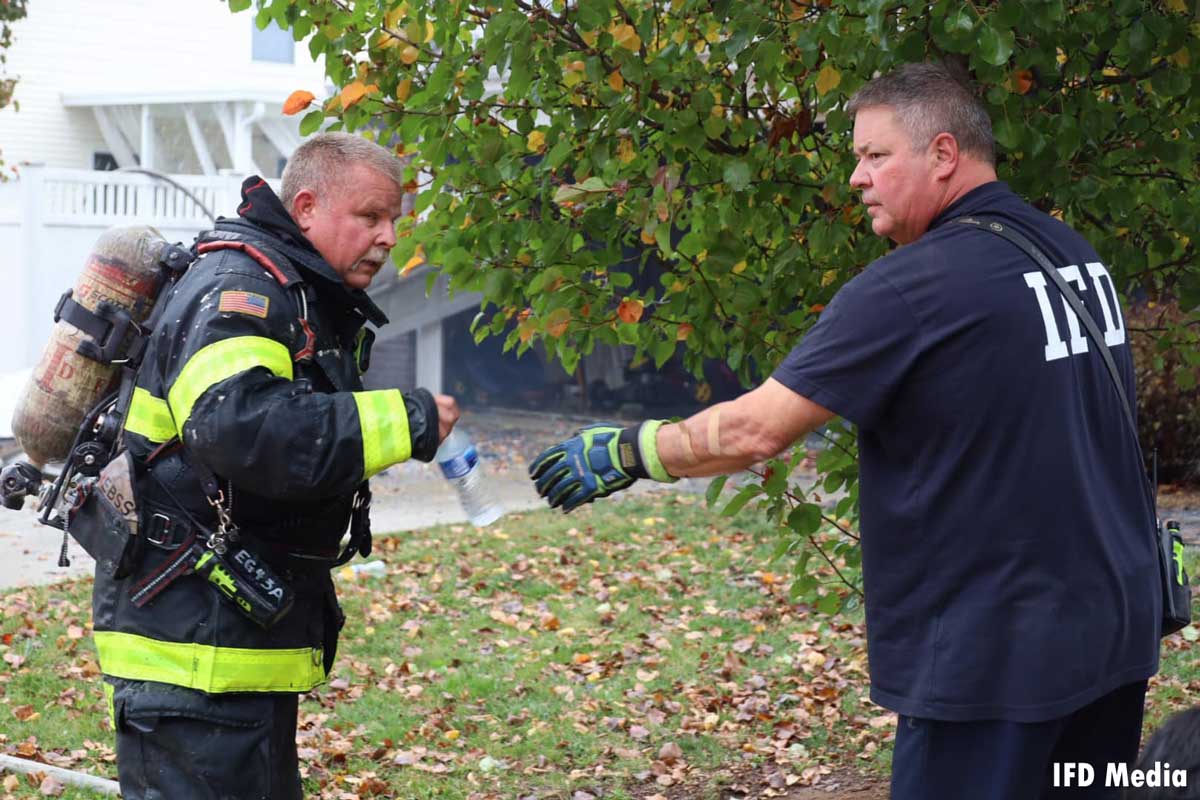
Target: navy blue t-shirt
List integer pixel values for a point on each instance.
(1008, 555)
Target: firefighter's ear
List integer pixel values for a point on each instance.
(304, 208)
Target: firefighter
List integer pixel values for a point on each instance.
(252, 441)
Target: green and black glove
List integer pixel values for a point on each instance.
(597, 461)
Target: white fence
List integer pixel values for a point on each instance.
(49, 220)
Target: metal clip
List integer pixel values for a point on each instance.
(226, 531)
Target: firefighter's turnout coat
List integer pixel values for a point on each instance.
(252, 373)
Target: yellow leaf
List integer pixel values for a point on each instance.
(418, 258)
(403, 90)
(297, 101)
(557, 322)
(536, 141)
(828, 277)
(625, 151)
(1181, 57)
(616, 81)
(626, 36)
(648, 236)
(352, 93)
(828, 79)
(630, 310)
(429, 31)
(451, 735)
(393, 17)
(739, 268)
(409, 54)
(1178, 6)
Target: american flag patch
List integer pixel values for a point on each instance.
(244, 303)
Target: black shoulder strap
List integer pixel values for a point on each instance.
(1005, 232)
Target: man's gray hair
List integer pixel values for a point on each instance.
(321, 161)
(927, 100)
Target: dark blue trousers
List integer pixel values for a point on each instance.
(998, 760)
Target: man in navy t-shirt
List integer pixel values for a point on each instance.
(1009, 566)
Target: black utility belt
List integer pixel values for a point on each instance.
(109, 533)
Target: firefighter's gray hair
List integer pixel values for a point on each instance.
(319, 163)
(927, 100)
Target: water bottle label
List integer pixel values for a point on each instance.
(460, 465)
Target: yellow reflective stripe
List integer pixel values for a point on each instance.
(383, 420)
(207, 668)
(150, 416)
(221, 360)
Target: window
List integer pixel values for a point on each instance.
(271, 44)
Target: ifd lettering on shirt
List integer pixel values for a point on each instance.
(1114, 327)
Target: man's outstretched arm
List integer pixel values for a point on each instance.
(601, 459)
(733, 435)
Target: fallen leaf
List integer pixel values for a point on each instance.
(670, 753)
(25, 713)
(51, 786)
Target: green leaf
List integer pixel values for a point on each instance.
(739, 500)
(238, 5)
(995, 47)
(805, 519)
(714, 489)
(311, 122)
(829, 604)
(737, 175)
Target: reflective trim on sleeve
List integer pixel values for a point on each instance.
(648, 447)
(150, 416)
(383, 419)
(207, 668)
(221, 360)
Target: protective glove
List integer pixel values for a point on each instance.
(597, 461)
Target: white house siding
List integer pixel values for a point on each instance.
(124, 47)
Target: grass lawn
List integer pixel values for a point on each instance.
(631, 649)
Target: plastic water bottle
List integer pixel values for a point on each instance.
(460, 465)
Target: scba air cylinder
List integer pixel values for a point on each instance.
(122, 273)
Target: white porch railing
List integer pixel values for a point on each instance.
(50, 218)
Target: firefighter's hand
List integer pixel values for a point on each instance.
(448, 414)
(585, 467)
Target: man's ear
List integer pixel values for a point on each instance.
(944, 152)
(304, 208)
